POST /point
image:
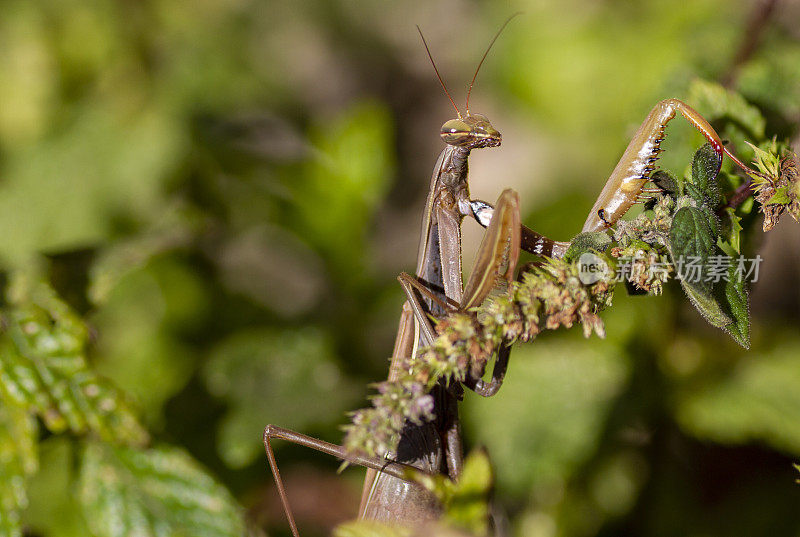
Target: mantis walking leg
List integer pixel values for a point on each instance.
(387, 466)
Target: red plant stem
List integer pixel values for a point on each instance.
(739, 195)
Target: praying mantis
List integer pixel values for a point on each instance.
(435, 447)
(436, 289)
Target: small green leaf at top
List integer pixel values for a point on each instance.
(767, 160)
(465, 502)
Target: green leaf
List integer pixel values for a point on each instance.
(587, 242)
(781, 197)
(153, 492)
(287, 377)
(701, 184)
(691, 242)
(716, 102)
(44, 368)
(18, 460)
(466, 501)
(731, 232)
(737, 303)
(707, 304)
(469, 505)
(725, 305)
(726, 247)
(371, 528)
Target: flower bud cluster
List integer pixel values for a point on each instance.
(545, 297)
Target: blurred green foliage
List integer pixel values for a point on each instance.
(204, 206)
(289, 361)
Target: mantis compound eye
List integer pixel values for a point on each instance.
(455, 131)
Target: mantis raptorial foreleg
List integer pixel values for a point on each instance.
(634, 169)
(625, 186)
(484, 389)
(411, 286)
(496, 258)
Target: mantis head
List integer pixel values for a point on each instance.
(471, 131)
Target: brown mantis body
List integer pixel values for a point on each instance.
(433, 447)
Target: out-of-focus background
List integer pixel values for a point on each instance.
(226, 190)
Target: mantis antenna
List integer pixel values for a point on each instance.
(437, 73)
(486, 54)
